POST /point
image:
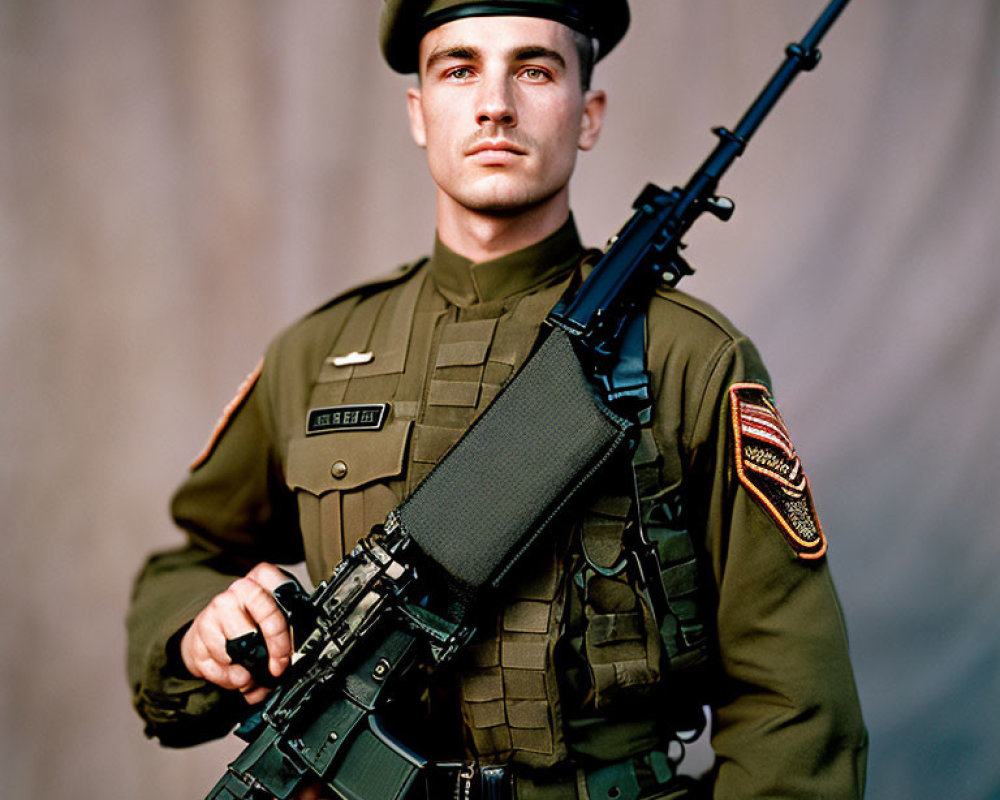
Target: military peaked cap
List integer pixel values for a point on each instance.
(404, 22)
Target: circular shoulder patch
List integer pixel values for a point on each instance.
(770, 468)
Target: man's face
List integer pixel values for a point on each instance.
(501, 112)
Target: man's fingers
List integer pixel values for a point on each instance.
(247, 605)
(266, 615)
(202, 664)
(225, 618)
(268, 576)
(256, 695)
(274, 627)
(231, 676)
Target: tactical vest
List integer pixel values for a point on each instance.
(437, 367)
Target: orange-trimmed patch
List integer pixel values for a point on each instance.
(770, 468)
(228, 412)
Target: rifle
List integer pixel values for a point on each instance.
(408, 593)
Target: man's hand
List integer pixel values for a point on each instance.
(247, 604)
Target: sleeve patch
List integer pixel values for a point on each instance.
(770, 469)
(228, 412)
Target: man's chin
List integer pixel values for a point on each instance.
(504, 201)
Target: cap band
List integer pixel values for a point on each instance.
(567, 14)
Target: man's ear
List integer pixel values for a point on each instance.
(594, 105)
(415, 110)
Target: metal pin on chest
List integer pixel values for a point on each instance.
(352, 359)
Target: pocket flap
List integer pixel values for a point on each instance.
(347, 459)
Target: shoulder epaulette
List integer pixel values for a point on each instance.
(396, 276)
(705, 310)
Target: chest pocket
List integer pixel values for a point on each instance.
(345, 483)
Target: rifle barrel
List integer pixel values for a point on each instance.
(799, 57)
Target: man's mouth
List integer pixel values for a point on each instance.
(495, 146)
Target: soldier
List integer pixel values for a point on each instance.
(576, 690)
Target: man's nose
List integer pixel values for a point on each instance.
(496, 103)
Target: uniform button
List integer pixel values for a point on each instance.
(339, 469)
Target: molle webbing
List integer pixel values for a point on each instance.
(507, 685)
(509, 689)
(620, 636)
(622, 641)
(474, 353)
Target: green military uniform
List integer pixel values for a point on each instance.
(574, 674)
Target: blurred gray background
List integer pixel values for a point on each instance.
(178, 180)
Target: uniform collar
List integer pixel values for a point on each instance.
(465, 283)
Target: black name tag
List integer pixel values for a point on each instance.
(347, 418)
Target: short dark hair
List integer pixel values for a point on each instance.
(587, 53)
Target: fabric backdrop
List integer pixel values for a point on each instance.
(178, 180)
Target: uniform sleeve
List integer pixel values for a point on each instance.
(786, 716)
(235, 511)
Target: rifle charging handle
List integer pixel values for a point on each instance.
(720, 207)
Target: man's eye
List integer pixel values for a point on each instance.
(460, 73)
(535, 74)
